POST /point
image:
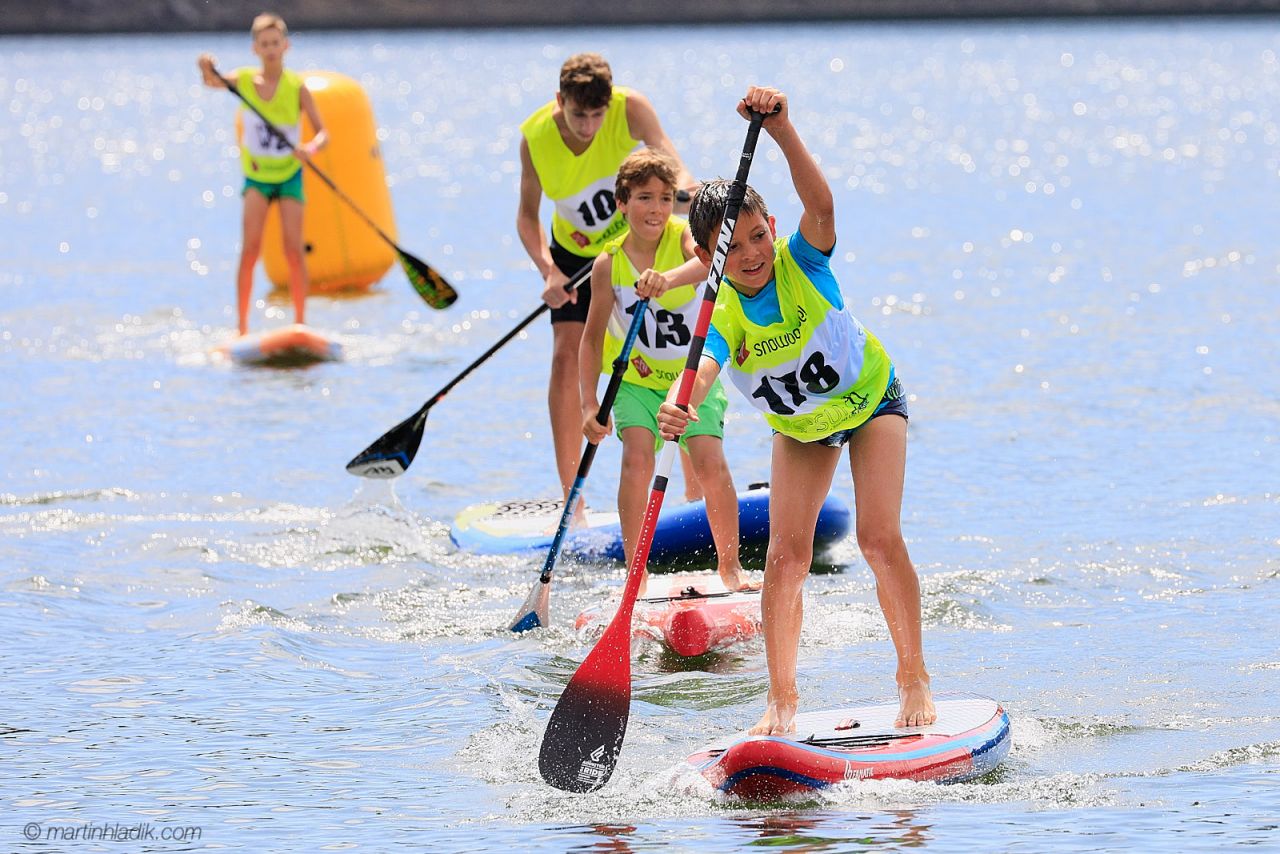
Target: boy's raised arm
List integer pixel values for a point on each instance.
(817, 223)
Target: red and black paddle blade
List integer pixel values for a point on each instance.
(584, 734)
(392, 454)
(429, 284)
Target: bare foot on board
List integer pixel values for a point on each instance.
(736, 578)
(915, 704)
(779, 717)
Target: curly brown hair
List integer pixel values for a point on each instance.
(639, 167)
(587, 80)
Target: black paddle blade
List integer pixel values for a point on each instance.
(584, 734)
(392, 454)
(429, 284)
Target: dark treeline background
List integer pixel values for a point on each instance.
(98, 16)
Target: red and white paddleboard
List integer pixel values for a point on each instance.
(691, 613)
(284, 347)
(970, 738)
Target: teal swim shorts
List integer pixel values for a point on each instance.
(290, 189)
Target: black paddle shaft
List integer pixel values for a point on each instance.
(393, 452)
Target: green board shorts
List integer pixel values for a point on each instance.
(288, 189)
(637, 406)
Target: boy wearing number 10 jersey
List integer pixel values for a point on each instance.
(570, 149)
(654, 260)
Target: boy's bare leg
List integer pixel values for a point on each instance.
(633, 490)
(564, 400)
(692, 488)
(711, 469)
(801, 477)
(291, 228)
(255, 216)
(878, 458)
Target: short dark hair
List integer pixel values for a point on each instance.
(587, 80)
(639, 167)
(706, 211)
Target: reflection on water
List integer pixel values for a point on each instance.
(803, 831)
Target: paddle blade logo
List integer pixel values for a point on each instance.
(377, 469)
(592, 771)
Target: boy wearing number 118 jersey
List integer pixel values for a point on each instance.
(822, 380)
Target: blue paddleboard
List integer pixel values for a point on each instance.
(510, 527)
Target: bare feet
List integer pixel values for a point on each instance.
(736, 578)
(915, 704)
(779, 717)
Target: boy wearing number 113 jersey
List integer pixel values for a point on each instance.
(822, 380)
(654, 260)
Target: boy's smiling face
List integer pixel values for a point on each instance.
(750, 260)
(648, 208)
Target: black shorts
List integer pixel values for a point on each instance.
(570, 264)
(894, 402)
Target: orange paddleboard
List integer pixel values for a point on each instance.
(287, 346)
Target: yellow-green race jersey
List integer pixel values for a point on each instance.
(815, 372)
(263, 155)
(662, 344)
(581, 185)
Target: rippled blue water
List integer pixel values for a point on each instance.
(1066, 235)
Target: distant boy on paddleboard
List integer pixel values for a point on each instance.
(271, 171)
(822, 381)
(658, 243)
(570, 151)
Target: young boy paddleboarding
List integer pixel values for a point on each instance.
(823, 382)
(655, 259)
(272, 173)
(570, 150)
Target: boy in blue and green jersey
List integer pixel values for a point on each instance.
(822, 380)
